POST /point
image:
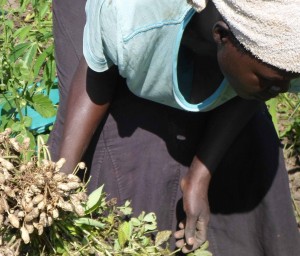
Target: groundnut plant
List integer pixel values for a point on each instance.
(46, 212)
(34, 195)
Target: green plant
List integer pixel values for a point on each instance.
(286, 117)
(27, 66)
(46, 212)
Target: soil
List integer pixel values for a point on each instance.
(13, 3)
(293, 167)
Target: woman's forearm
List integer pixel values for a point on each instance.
(88, 102)
(224, 125)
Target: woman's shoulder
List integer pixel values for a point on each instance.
(136, 16)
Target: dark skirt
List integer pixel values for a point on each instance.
(143, 149)
(68, 23)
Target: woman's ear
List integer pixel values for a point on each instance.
(221, 32)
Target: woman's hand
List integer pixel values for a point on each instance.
(194, 186)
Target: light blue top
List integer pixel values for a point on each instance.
(143, 38)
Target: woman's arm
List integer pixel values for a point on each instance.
(224, 125)
(88, 102)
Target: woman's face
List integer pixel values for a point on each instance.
(249, 77)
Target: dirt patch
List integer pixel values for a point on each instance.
(293, 167)
(294, 177)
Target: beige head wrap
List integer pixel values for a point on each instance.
(269, 29)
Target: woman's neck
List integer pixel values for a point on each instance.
(198, 33)
(197, 38)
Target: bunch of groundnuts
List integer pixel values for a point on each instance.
(33, 193)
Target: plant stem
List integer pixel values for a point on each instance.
(93, 237)
(288, 101)
(294, 111)
(174, 252)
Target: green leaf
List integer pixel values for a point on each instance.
(150, 217)
(30, 55)
(205, 245)
(27, 121)
(22, 71)
(135, 222)
(146, 241)
(89, 222)
(41, 60)
(60, 249)
(17, 126)
(150, 250)
(43, 105)
(50, 70)
(110, 219)
(124, 233)
(25, 3)
(202, 251)
(117, 246)
(53, 69)
(272, 105)
(162, 236)
(22, 32)
(9, 23)
(18, 51)
(150, 227)
(44, 9)
(141, 216)
(47, 35)
(94, 200)
(126, 209)
(2, 2)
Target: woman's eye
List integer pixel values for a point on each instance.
(266, 83)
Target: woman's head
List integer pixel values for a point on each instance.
(250, 77)
(269, 29)
(258, 44)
